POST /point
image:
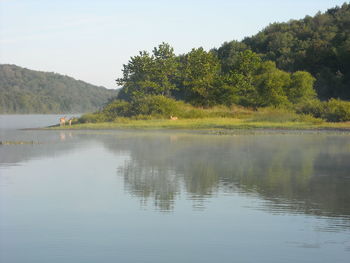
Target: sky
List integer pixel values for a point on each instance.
(91, 40)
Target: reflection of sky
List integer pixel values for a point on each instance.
(292, 172)
(73, 208)
(90, 40)
(68, 198)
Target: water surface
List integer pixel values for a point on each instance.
(170, 196)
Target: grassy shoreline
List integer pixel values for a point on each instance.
(206, 124)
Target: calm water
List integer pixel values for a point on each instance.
(119, 196)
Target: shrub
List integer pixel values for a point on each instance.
(334, 110)
(312, 107)
(301, 87)
(93, 118)
(156, 106)
(117, 108)
(337, 110)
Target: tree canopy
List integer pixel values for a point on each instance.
(319, 45)
(149, 73)
(199, 77)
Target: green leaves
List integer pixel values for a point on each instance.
(319, 45)
(271, 84)
(199, 73)
(198, 78)
(241, 77)
(301, 87)
(150, 74)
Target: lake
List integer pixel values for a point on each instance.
(172, 196)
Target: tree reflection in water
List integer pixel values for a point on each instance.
(294, 173)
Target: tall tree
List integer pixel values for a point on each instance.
(229, 53)
(149, 74)
(241, 78)
(271, 84)
(301, 87)
(136, 80)
(200, 72)
(166, 68)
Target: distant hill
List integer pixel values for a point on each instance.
(318, 44)
(28, 91)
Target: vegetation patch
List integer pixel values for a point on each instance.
(211, 124)
(16, 142)
(203, 85)
(334, 110)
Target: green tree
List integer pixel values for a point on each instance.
(271, 84)
(166, 68)
(301, 87)
(149, 74)
(241, 78)
(229, 53)
(200, 73)
(136, 80)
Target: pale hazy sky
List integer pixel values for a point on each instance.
(91, 40)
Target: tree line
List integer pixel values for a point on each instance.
(27, 91)
(202, 79)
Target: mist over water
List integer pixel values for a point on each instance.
(170, 196)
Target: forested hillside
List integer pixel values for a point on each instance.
(319, 45)
(27, 91)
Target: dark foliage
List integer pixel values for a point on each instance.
(319, 45)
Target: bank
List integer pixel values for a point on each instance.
(206, 123)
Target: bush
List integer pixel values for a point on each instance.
(117, 108)
(334, 110)
(93, 118)
(141, 108)
(156, 106)
(337, 110)
(311, 107)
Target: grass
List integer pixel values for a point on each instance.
(216, 118)
(16, 142)
(212, 123)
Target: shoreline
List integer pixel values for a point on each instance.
(207, 124)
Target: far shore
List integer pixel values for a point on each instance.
(205, 124)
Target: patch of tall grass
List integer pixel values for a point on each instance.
(283, 115)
